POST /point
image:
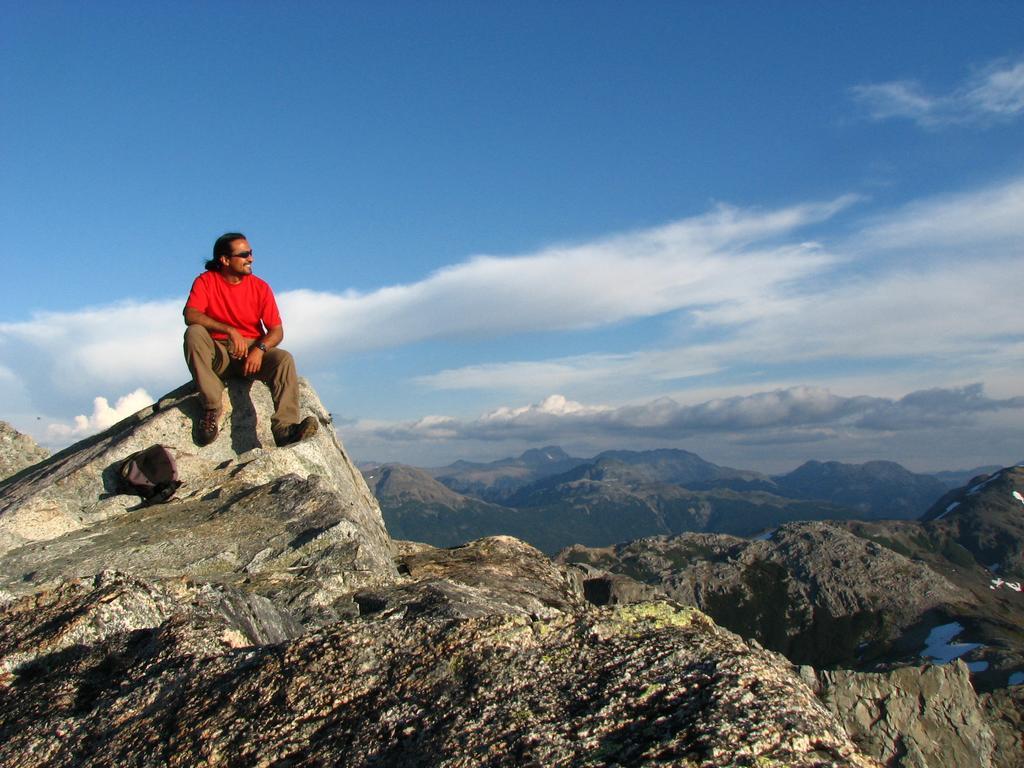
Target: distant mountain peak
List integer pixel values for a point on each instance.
(877, 489)
(540, 456)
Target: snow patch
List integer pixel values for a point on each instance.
(939, 646)
(981, 485)
(998, 583)
(949, 509)
(766, 536)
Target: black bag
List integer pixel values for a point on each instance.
(151, 474)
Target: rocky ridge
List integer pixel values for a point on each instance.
(985, 517)
(296, 525)
(873, 598)
(17, 451)
(813, 591)
(916, 716)
(264, 617)
(638, 685)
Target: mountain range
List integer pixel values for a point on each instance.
(553, 500)
(830, 564)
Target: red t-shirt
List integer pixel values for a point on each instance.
(248, 305)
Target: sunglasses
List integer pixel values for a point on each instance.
(242, 255)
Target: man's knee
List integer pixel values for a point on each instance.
(196, 336)
(281, 358)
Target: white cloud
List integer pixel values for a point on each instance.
(562, 373)
(953, 317)
(103, 416)
(938, 314)
(972, 219)
(106, 346)
(994, 93)
(999, 90)
(692, 263)
(552, 406)
(900, 98)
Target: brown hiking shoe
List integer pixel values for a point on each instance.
(295, 433)
(209, 426)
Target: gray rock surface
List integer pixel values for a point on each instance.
(137, 680)
(495, 575)
(813, 591)
(927, 717)
(1004, 711)
(80, 613)
(984, 517)
(602, 587)
(264, 617)
(296, 525)
(17, 451)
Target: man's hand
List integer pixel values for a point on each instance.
(253, 361)
(238, 344)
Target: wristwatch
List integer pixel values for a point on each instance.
(261, 346)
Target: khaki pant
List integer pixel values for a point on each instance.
(210, 363)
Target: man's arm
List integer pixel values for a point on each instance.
(270, 339)
(239, 344)
(273, 336)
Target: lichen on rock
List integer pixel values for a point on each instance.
(425, 690)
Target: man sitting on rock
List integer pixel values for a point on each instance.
(233, 330)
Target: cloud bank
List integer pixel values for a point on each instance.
(785, 415)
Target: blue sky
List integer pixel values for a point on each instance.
(764, 232)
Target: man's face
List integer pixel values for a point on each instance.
(239, 263)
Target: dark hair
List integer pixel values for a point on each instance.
(222, 247)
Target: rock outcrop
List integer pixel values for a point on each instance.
(1004, 712)
(813, 591)
(295, 525)
(985, 518)
(170, 682)
(819, 591)
(927, 716)
(17, 451)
